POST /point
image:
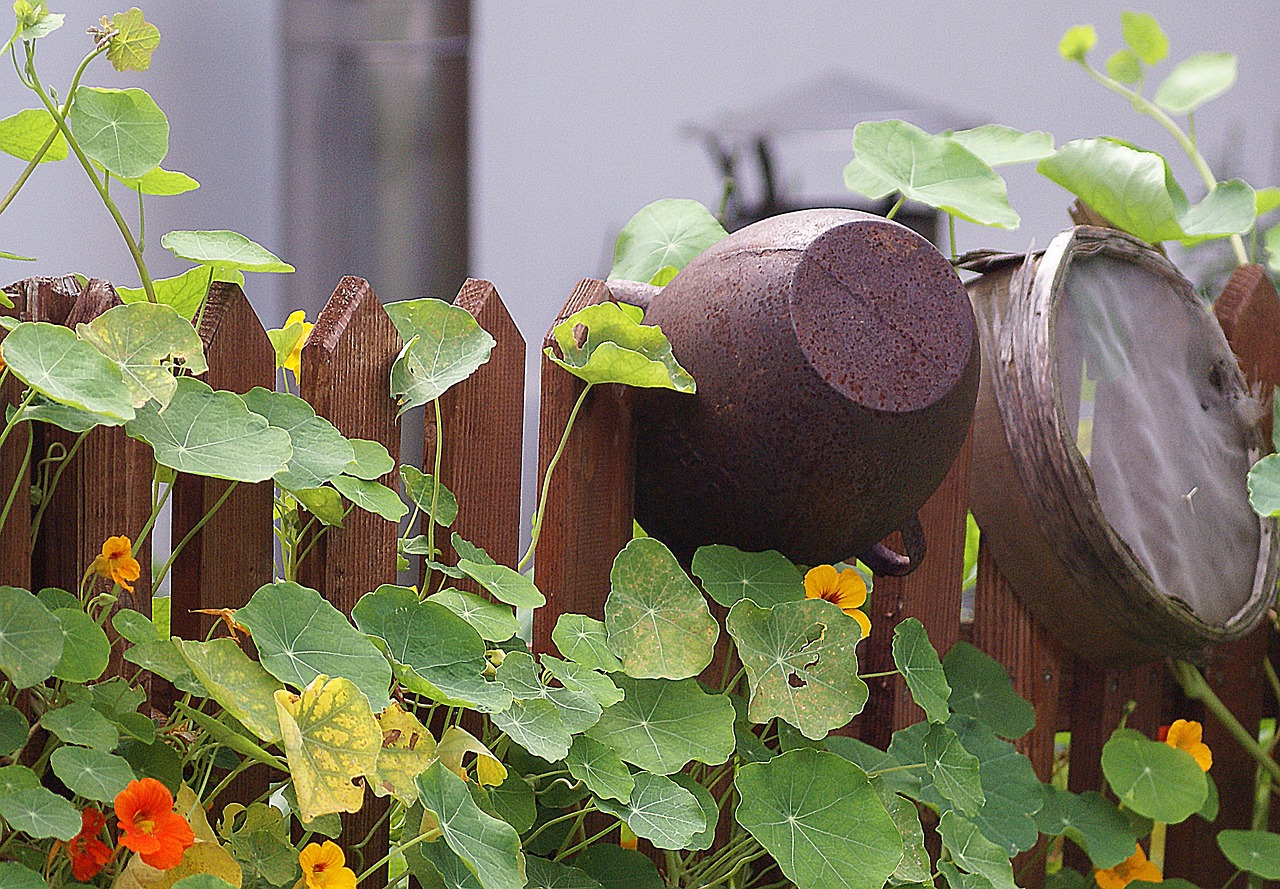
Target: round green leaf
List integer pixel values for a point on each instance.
(17, 876)
(981, 688)
(371, 462)
(658, 623)
(661, 725)
(953, 769)
(998, 146)
(917, 661)
(666, 234)
(1076, 43)
(124, 130)
(492, 621)
(320, 451)
(147, 341)
(705, 838)
(210, 433)
(80, 723)
(134, 626)
(183, 292)
(1144, 35)
(505, 584)
(17, 777)
(599, 767)
(729, 574)
(1255, 851)
(820, 819)
(1228, 209)
(1152, 778)
(1196, 80)
(40, 814)
(489, 846)
(30, 638)
(545, 874)
(660, 810)
(54, 598)
(85, 648)
(163, 183)
(974, 852)
(801, 663)
(23, 134)
(13, 730)
(91, 773)
(583, 640)
(237, 682)
(578, 678)
(934, 170)
(373, 497)
(300, 636)
(323, 503)
(53, 361)
(1090, 820)
(163, 658)
(421, 490)
(159, 761)
(132, 43)
(443, 345)
(224, 250)
(618, 349)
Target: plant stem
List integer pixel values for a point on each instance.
(1195, 687)
(17, 484)
(893, 211)
(951, 229)
(546, 480)
(17, 417)
(47, 497)
(151, 519)
(430, 836)
(164, 570)
(438, 447)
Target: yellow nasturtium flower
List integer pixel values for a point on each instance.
(845, 589)
(294, 361)
(1135, 867)
(324, 867)
(116, 562)
(1187, 735)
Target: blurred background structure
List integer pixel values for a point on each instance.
(415, 142)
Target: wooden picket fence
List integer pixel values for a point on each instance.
(106, 490)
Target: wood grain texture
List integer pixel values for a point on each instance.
(231, 555)
(931, 594)
(483, 420)
(590, 505)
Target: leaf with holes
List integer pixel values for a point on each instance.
(729, 574)
(917, 661)
(801, 663)
(660, 810)
(661, 725)
(124, 130)
(617, 348)
(407, 749)
(443, 345)
(664, 235)
(148, 342)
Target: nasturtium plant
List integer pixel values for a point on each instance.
(443, 345)
(617, 348)
(1153, 778)
(223, 250)
(661, 239)
(57, 364)
(122, 129)
(149, 343)
(24, 134)
(728, 575)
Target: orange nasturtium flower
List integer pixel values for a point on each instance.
(324, 867)
(294, 360)
(1135, 867)
(846, 589)
(87, 852)
(1186, 735)
(117, 562)
(150, 827)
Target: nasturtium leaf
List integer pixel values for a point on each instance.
(1132, 188)
(373, 497)
(661, 725)
(544, 874)
(237, 682)
(469, 551)
(998, 146)
(90, 773)
(1195, 80)
(16, 777)
(820, 819)
(1091, 821)
(223, 250)
(1144, 35)
(324, 503)
(576, 677)
(915, 866)
(183, 292)
(421, 490)
(729, 574)
(801, 663)
(505, 584)
(164, 183)
(1153, 778)
(599, 767)
(953, 769)
(660, 810)
(934, 170)
(202, 881)
(147, 341)
(443, 345)
(163, 658)
(134, 40)
(85, 648)
(981, 688)
(258, 838)
(24, 134)
(615, 867)
(975, 853)
(1076, 42)
(1125, 66)
(300, 636)
(13, 730)
(40, 814)
(658, 623)
(493, 621)
(53, 599)
(320, 451)
(1255, 851)
(1229, 208)
(134, 626)
(407, 749)
(537, 727)
(489, 846)
(52, 360)
(1266, 200)
(705, 838)
(861, 179)
(371, 462)
(664, 235)
(1209, 811)
(542, 719)
(79, 723)
(124, 130)
(583, 640)
(203, 432)
(514, 802)
(1272, 241)
(30, 638)
(456, 743)
(617, 349)
(330, 738)
(918, 663)
(434, 652)
(18, 876)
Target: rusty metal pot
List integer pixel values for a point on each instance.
(837, 364)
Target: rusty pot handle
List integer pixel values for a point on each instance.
(885, 562)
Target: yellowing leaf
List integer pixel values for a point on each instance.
(407, 749)
(330, 737)
(456, 743)
(202, 858)
(130, 48)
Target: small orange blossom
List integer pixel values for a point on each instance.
(150, 827)
(117, 563)
(1135, 867)
(324, 867)
(846, 590)
(1187, 735)
(87, 852)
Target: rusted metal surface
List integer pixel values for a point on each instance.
(837, 365)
